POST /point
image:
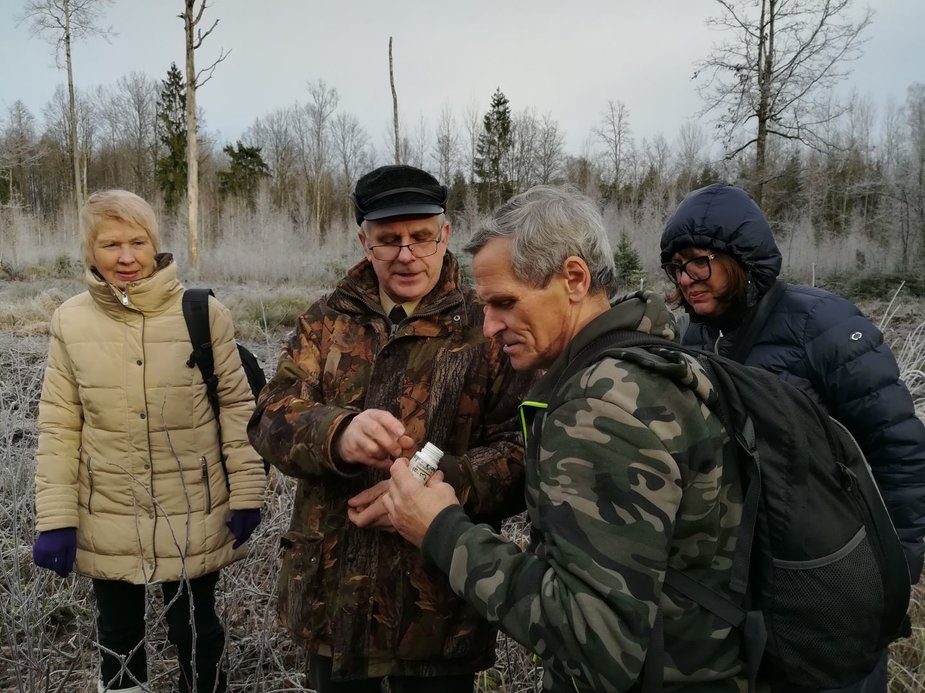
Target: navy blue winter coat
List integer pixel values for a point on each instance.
(817, 341)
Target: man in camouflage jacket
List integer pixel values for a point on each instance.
(631, 473)
(354, 389)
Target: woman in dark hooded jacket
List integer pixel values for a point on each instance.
(718, 250)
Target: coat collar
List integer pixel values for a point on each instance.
(358, 292)
(641, 311)
(150, 295)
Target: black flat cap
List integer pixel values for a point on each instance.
(397, 191)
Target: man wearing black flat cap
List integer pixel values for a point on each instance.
(393, 358)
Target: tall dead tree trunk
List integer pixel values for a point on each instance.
(394, 106)
(194, 38)
(192, 141)
(72, 108)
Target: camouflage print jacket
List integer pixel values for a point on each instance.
(366, 596)
(630, 477)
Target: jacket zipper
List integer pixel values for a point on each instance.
(90, 484)
(205, 484)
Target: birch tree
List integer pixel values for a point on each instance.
(62, 22)
(773, 73)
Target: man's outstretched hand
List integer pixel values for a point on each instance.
(411, 505)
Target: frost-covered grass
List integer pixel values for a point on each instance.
(46, 623)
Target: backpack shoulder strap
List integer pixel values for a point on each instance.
(196, 314)
(611, 341)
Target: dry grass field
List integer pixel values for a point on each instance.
(46, 623)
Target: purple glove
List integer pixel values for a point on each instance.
(56, 550)
(242, 524)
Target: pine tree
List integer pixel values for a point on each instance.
(245, 169)
(171, 125)
(492, 150)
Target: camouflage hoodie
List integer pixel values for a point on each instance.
(366, 596)
(629, 478)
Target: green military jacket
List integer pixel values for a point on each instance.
(366, 596)
(632, 474)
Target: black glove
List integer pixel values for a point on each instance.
(242, 524)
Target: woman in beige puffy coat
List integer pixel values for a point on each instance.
(130, 479)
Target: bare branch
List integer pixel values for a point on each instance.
(211, 68)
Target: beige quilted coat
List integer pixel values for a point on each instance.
(128, 448)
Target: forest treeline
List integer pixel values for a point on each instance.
(841, 181)
(306, 157)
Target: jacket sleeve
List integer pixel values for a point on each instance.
(587, 595)
(489, 478)
(859, 379)
(291, 427)
(60, 422)
(245, 468)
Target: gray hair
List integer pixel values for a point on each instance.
(115, 204)
(546, 225)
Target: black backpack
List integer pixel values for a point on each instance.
(196, 314)
(820, 581)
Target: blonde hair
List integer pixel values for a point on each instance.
(114, 204)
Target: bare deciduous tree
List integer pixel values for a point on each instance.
(521, 158)
(689, 158)
(549, 152)
(349, 143)
(19, 149)
(320, 112)
(772, 76)
(191, 17)
(62, 22)
(137, 98)
(445, 153)
(614, 133)
(275, 135)
(472, 120)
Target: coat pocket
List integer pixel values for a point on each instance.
(301, 606)
(206, 485)
(89, 464)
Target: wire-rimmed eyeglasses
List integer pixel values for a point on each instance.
(698, 268)
(391, 251)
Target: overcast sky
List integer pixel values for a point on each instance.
(567, 58)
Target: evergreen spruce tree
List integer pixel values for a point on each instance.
(170, 170)
(245, 169)
(492, 149)
(629, 267)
